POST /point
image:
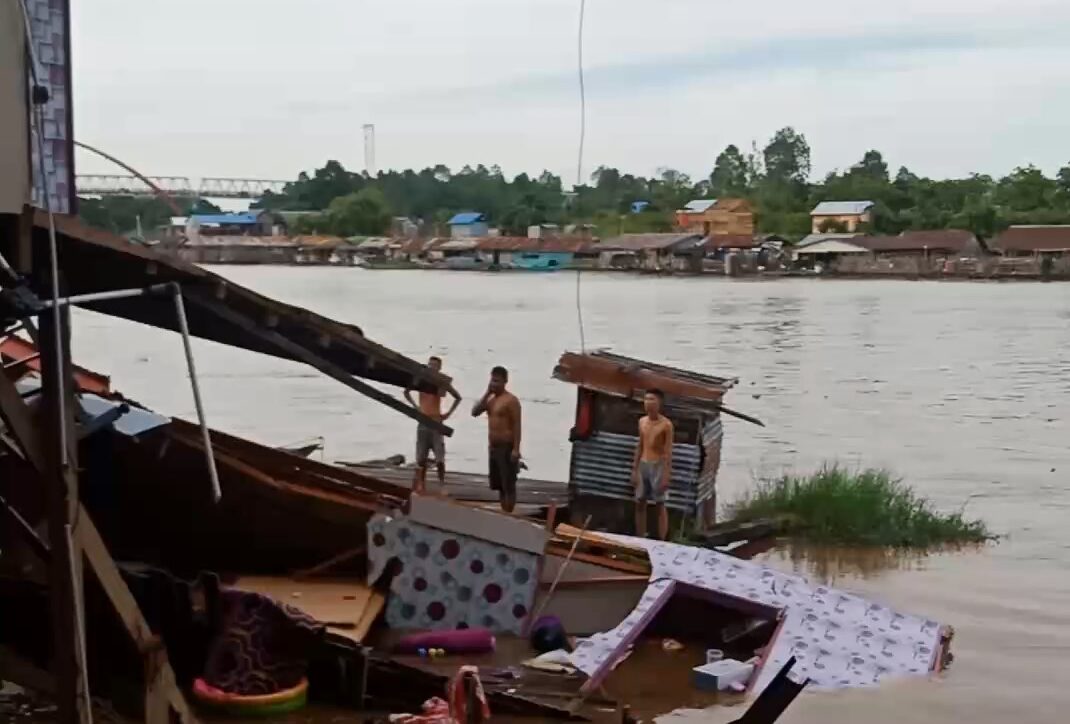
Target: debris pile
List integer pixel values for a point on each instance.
(245, 580)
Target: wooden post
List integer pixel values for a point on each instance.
(61, 497)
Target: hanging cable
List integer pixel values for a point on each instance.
(579, 162)
(583, 97)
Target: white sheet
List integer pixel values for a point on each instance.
(838, 639)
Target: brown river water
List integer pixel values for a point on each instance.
(963, 389)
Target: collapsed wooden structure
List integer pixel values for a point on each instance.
(51, 262)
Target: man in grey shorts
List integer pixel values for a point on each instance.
(429, 440)
(652, 467)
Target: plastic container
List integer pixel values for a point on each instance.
(721, 675)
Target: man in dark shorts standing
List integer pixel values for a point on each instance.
(503, 427)
(427, 439)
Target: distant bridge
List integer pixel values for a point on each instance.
(129, 185)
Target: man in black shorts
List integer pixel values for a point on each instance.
(503, 428)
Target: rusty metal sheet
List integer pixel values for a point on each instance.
(629, 377)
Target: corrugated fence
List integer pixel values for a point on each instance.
(602, 465)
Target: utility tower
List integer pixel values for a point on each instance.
(369, 149)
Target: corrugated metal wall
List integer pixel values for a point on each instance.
(602, 465)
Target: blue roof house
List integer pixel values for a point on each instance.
(256, 222)
(468, 224)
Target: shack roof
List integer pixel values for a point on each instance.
(697, 206)
(815, 238)
(221, 311)
(375, 243)
(466, 217)
(240, 219)
(841, 208)
(730, 241)
(831, 246)
(629, 377)
(1033, 239)
(238, 240)
(564, 244)
(648, 242)
(940, 240)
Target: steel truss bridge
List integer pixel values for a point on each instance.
(129, 185)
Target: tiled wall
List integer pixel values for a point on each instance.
(49, 29)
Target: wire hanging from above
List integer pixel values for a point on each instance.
(579, 161)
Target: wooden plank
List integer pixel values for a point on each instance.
(16, 415)
(330, 562)
(618, 565)
(162, 683)
(349, 604)
(60, 485)
(350, 501)
(376, 604)
(18, 670)
(303, 354)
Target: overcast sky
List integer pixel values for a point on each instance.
(267, 88)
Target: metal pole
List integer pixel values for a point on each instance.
(107, 296)
(183, 326)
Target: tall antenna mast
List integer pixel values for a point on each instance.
(369, 149)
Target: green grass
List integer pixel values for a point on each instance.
(870, 507)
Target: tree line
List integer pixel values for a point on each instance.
(775, 178)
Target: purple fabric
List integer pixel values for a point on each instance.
(459, 641)
(263, 647)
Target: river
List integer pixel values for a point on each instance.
(963, 389)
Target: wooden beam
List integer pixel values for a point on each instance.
(299, 352)
(28, 533)
(159, 677)
(16, 415)
(331, 562)
(61, 498)
(16, 669)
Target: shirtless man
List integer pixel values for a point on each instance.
(503, 425)
(428, 440)
(652, 468)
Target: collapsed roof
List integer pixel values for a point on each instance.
(222, 311)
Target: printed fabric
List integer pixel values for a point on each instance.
(263, 647)
(445, 580)
(838, 639)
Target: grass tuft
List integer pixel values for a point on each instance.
(870, 507)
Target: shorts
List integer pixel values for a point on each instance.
(650, 472)
(427, 441)
(503, 469)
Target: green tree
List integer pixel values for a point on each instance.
(787, 158)
(364, 212)
(1062, 182)
(872, 166)
(1026, 189)
(730, 175)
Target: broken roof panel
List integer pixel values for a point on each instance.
(224, 312)
(839, 639)
(629, 377)
(644, 242)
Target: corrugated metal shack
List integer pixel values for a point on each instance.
(604, 436)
